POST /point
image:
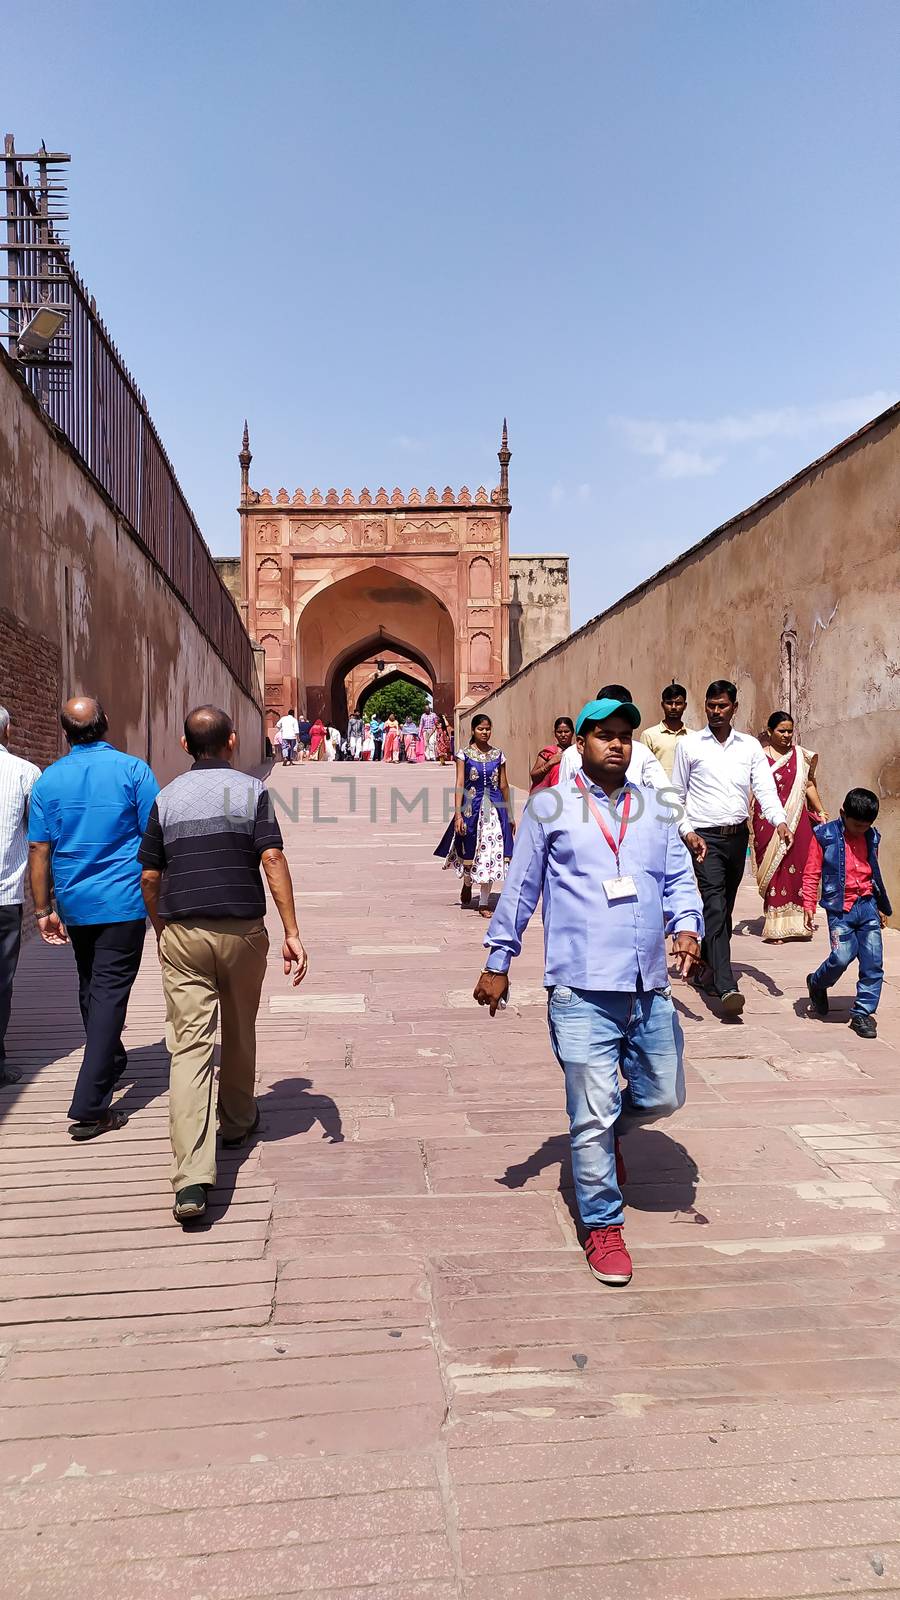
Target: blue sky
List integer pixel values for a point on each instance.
(662, 238)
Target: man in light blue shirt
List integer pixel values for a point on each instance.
(87, 817)
(616, 878)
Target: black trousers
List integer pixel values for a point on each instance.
(107, 955)
(10, 944)
(718, 879)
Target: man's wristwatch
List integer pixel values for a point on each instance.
(40, 915)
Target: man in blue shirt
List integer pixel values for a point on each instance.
(87, 818)
(616, 878)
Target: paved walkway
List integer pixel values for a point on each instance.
(382, 1369)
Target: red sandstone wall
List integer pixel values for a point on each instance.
(29, 689)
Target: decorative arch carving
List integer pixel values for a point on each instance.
(268, 579)
(480, 650)
(271, 643)
(481, 578)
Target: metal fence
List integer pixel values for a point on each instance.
(87, 391)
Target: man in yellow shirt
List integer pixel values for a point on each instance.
(663, 737)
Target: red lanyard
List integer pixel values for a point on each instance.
(614, 845)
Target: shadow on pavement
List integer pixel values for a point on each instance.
(662, 1176)
(286, 1109)
(742, 969)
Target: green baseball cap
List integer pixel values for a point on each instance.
(599, 710)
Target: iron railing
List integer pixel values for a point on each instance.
(89, 394)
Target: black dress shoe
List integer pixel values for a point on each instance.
(863, 1023)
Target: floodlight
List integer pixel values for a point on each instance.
(41, 329)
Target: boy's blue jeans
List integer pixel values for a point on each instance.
(595, 1033)
(855, 934)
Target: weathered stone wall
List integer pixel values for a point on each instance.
(797, 600)
(72, 574)
(539, 614)
(229, 570)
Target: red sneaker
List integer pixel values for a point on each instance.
(621, 1169)
(607, 1257)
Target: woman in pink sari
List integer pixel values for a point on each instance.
(391, 751)
(779, 872)
(317, 751)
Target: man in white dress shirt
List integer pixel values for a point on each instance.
(17, 779)
(289, 728)
(716, 770)
(643, 768)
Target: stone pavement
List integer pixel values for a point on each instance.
(382, 1368)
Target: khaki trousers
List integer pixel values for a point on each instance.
(207, 966)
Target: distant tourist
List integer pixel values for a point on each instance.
(206, 836)
(333, 743)
(304, 725)
(479, 840)
(17, 779)
(428, 727)
(317, 738)
(716, 772)
(368, 741)
(844, 854)
(391, 738)
(612, 888)
(663, 738)
(779, 871)
(355, 730)
(444, 740)
(410, 732)
(377, 727)
(643, 769)
(289, 729)
(86, 819)
(545, 767)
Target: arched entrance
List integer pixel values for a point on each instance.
(351, 621)
(354, 673)
(378, 671)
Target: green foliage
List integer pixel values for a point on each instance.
(400, 697)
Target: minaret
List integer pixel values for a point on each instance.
(503, 456)
(245, 458)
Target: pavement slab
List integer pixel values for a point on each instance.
(379, 1370)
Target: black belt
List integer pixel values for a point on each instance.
(726, 829)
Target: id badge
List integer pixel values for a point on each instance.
(619, 889)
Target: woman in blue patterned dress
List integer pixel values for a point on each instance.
(479, 840)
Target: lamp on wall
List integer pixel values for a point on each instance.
(39, 332)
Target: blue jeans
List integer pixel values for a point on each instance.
(595, 1034)
(855, 934)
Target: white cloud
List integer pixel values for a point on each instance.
(557, 495)
(405, 441)
(684, 448)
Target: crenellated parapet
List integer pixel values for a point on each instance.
(396, 500)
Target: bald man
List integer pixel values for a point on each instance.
(210, 832)
(86, 820)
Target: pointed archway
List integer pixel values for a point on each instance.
(419, 670)
(367, 610)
